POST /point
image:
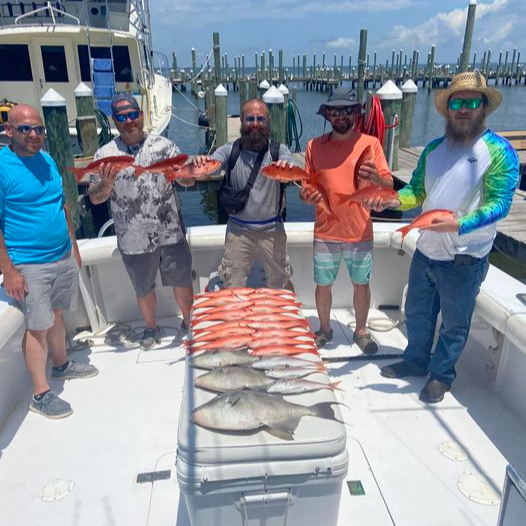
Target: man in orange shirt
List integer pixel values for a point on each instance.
(346, 232)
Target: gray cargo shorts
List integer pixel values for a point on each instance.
(173, 261)
(51, 286)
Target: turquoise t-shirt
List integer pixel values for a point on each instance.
(32, 217)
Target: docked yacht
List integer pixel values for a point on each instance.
(105, 44)
(129, 455)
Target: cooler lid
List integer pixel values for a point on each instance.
(314, 438)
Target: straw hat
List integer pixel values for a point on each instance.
(472, 81)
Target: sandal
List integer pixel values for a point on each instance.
(322, 338)
(366, 343)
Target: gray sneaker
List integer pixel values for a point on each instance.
(51, 406)
(150, 338)
(74, 370)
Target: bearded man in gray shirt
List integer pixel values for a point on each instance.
(257, 231)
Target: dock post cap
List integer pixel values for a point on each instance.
(220, 91)
(409, 87)
(52, 98)
(264, 84)
(472, 2)
(283, 89)
(82, 90)
(273, 96)
(389, 91)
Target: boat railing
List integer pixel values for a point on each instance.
(54, 11)
(513, 504)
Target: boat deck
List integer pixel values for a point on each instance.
(125, 423)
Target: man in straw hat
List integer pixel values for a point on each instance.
(473, 172)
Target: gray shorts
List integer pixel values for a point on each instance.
(51, 286)
(173, 261)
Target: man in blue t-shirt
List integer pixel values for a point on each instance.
(39, 257)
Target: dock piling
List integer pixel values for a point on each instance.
(86, 119)
(59, 145)
(221, 100)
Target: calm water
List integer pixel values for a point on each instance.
(427, 125)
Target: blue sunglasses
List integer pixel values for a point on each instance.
(123, 117)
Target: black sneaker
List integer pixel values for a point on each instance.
(322, 338)
(401, 370)
(150, 338)
(434, 391)
(183, 328)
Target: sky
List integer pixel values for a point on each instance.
(319, 26)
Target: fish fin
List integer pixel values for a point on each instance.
(404, 230)
(138, 171)
(286, 425)
(324, 410)
(321, 367)
(279, 434)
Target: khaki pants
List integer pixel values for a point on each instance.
(243, 250)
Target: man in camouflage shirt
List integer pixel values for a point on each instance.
(146, 215)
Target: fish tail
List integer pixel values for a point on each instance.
(334, 386)
(321, 367)
(324, 410)
(138, 170)
(404, 230)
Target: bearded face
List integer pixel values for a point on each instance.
(255, 136)
(464, 125)
(342, 118)
(462, 129)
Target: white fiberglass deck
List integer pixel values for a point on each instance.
(125, 423)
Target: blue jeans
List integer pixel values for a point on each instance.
(449, 287)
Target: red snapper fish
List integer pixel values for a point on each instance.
(166, 166)
(190, 171)
(425, 219)
(119, 161)
(285, 174)
(311, 185)
(368, 192)
(366, 156)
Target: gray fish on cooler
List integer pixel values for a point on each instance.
(251, 410)
(233, 378)
(223, 358)
(236, 378)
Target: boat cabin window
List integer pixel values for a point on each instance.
(15, 63)
(121, 61)
(54, 60)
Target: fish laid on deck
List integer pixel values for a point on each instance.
(233, 378)
(250, 411)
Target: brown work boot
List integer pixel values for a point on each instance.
(401, 370)
(434, 391)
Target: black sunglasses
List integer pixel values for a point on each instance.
(26, 129)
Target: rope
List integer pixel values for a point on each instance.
(375, 124)
(204, 66)
(293, 112)
(190, 123)
(187, 99)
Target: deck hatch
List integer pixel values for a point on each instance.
(355, 488)
(153, 476)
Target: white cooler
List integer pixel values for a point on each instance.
(250, 479)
